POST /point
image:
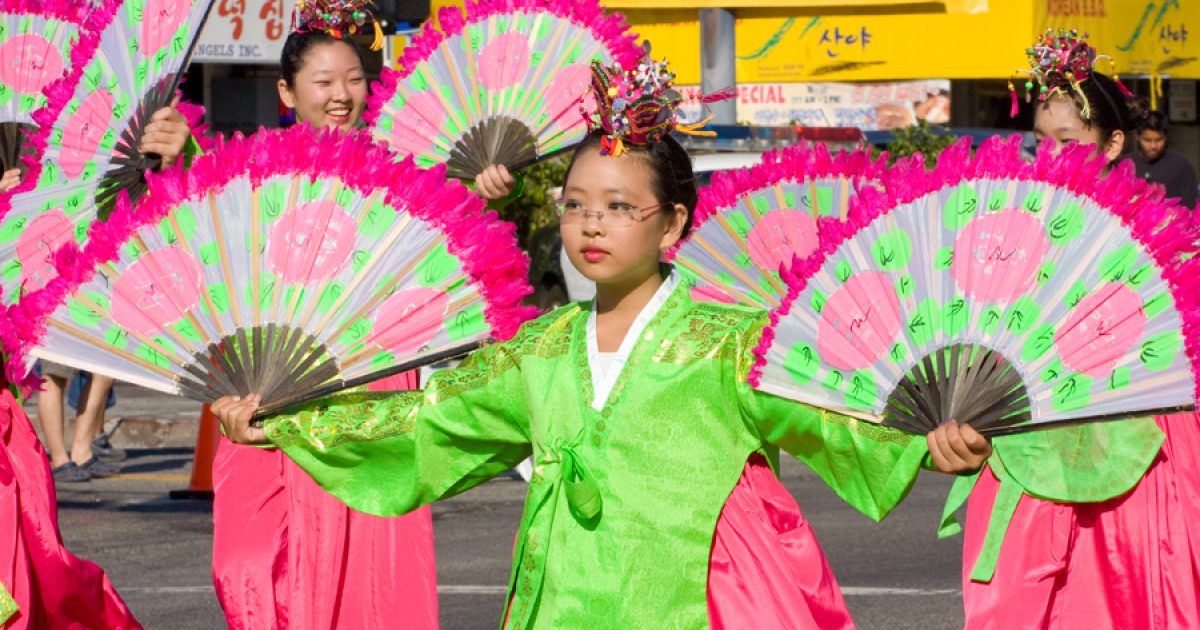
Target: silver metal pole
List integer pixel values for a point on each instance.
(718, 61)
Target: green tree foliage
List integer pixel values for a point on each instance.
(918, 138)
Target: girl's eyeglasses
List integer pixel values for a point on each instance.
(615, 215)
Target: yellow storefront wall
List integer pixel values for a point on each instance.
(972, 39)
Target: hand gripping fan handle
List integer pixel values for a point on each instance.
(337, 386)
(1058, 424)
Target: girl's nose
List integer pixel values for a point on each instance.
(591, 225)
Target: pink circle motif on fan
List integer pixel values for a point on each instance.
(710, 293)
(30, 63)
(1101, 329)
(156, 291)
(160, 20)
(409, 319)
(37, 246)
(84, 131)
(859, 322)
(311, 242)
(997, 255)
(781, 234)
(417, 123)
(562, 97)
(504, 61)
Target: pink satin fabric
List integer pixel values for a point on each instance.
(767, 570)
(287, 554)
(1131, 562)
(52, 587)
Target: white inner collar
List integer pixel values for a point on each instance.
(606, 367)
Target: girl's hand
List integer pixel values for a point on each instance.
(235, 414)
(495, 182)
(10, 180)
(166, 134)
(957, 448)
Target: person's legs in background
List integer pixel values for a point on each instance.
(78, 397)
(88, 423)
(50, 417)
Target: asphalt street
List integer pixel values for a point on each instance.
(157, 551)
(895, 575)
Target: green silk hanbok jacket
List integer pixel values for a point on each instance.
(623, 503)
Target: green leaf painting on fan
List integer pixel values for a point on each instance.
(752, 222)
(91, 140)
(262, 272)
(502, 85)
(1010, 297)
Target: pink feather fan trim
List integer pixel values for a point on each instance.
(92, 23)
(484, 243)
(1163, 229)
(795, 163)
(609, 28)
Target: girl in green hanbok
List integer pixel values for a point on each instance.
(652, 503)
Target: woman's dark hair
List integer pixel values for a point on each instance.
(299, 43)
(1110, 109)
(1155, 121)
(671, 167)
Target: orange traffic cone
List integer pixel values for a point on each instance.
(201, 485)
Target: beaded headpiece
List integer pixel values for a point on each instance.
(1059, 62)
(339, 18)
(638, 106)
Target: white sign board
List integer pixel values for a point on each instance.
(244, 31)
(1181, 100)
(867, 106)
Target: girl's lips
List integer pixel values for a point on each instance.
(339, 119)
(594, 254)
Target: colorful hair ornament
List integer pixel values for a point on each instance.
(638, 106)
(337, 17)
(1059, 62)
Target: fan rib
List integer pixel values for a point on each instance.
(384, 289)
(521, 109)
(398, 228)
(724, 223)
(100, 343)
(145, 339)
(438, 141)
(699, 270)
(223, 252)
(731, 266)
(367, 351)
(294, 189)
(191, 316)
(206, 377)
(256, 249)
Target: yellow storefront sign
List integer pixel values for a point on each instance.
(907, 6)
(877, 40)
(1144, 37)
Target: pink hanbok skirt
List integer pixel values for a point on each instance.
(287, 554)
(767, 570)
(1130, 562)
(52, 587)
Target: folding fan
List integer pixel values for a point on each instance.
(37, 39)
(91, 139)
(750, 222)
(997, 293)
(289, 264)
(501, 86)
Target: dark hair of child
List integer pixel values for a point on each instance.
(297, 46)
